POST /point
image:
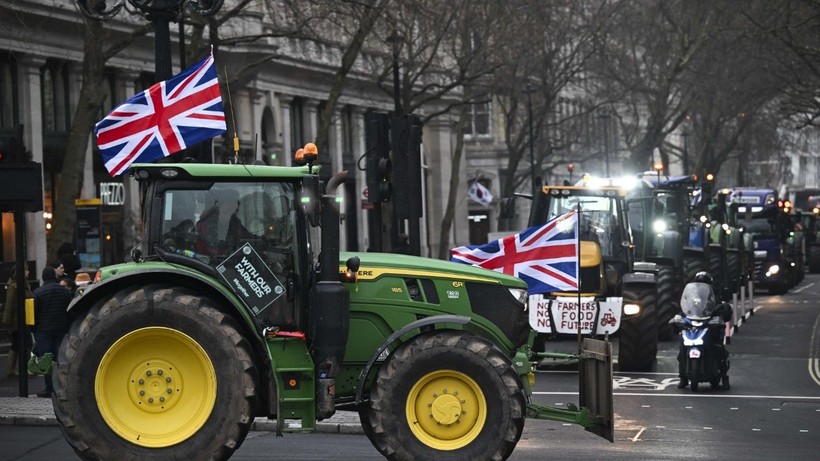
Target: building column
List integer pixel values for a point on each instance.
(359, 147)
(256, 99)
(31, 117)
(438, 152)
(284, 110)
(131, 222)
(334, 153)
(311, 120)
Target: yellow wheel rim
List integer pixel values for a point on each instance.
(155, 387)
(446, 410)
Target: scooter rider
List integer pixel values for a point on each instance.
(724, 311)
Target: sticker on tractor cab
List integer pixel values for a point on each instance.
(561, 315)
(251, 279)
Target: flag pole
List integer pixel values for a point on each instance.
(233, 119)
(578, 267)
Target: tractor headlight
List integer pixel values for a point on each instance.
(659, 226)
(773, 270)
(632, 309)
(520, 295)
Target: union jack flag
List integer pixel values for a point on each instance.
(546, 257)
(164, 119)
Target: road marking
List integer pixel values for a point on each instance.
(707, 428)
(804, 430)
(693, 395)
(754, 429)
(802, 288)
(635, 439)
(814, 352)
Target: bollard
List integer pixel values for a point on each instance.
(751, 297)
(735, 307)
(742, 307)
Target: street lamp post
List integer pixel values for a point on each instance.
(685, 135)
(161, 13)
(529, 90)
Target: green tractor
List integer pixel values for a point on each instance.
(659, 215)
(235, 308)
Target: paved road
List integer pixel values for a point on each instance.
(771, 412)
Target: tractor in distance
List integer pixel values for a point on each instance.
(660, 219)
(811, 232)
(617, 294)
(777, 258)
(234, 308)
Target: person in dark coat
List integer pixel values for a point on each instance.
(67, 255)
(51, 320)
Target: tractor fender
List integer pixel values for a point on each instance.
(427, 321)
(168, 274)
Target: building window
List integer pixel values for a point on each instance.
(8, 91)
(55, 97)
(478, 119)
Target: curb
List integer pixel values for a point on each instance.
(259, 425)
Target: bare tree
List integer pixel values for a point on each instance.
(96, 52)
(646, 54)
(545, 83)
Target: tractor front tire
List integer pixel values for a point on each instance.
(638, 335)
(155, 373)
(447, 396)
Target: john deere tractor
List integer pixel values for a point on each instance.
(232, 309)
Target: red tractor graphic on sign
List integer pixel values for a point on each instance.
(608, 319)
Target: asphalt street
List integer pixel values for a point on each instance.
(772, 410)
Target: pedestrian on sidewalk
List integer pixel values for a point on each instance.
(51, 320)
(10, 321)
(67, 256)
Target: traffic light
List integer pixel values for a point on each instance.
(379, 166)
(406, 147)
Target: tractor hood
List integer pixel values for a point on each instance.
(375, 265)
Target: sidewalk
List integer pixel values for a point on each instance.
(37, 411)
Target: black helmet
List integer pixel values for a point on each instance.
(703, 277)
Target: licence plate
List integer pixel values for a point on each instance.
(694, 353)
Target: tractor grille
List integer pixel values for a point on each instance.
(496, 304)
(758, 266)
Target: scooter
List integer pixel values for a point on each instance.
(703, 355)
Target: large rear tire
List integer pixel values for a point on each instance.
(638, 336)
(155, 373)
(448, 396)
(669, 292)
